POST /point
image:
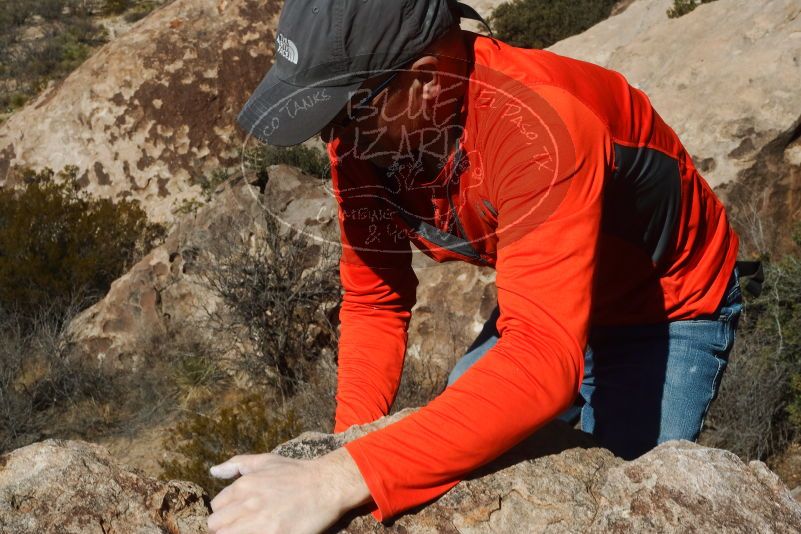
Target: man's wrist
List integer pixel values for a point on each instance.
(342, 474)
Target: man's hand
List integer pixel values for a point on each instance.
(275, 494)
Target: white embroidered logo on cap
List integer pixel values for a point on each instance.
(287, 49)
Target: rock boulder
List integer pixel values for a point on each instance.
(555, 481)
(153, 109)
(76, 487)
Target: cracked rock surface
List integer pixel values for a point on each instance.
(76, 487)
(555, 481)
(677, 487)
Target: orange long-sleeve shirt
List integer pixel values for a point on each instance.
(569, 183)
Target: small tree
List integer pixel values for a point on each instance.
(682, 7)
(282, 291)
(201, 441)
(541, 23)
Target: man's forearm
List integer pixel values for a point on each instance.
(341, 473)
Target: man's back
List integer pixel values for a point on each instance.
(665, 244)
(574, 189)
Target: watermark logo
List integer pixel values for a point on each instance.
(437, 173)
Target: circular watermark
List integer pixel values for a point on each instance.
(459, 164)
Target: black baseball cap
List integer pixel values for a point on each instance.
(326, 49)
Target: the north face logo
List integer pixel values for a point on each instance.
(287, 49)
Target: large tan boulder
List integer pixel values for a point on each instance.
(723, 76)
(154, 108)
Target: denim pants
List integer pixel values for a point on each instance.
(644, 384)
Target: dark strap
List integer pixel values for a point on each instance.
(467, 12)
(754, 276)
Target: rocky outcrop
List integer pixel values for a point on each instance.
(454, 299)
(554, 481)
(729, 91)
(153, 108)
(76, 487)
(165, 291)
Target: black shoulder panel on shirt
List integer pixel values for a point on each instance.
(642, 198)
(440, 238)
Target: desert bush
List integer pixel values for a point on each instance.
(50, 9)
(209, 182)
(12, 101)
(58, 52)
(50, 388)
(682, 7)
(541, 23)
(15, 13)
(116, 7)
(200, 441)
(314, 400)
(309, 160)
(282, 292)
(191, 360)
(39, 382)
(750, 415)
(66, 35)
(137, 13)
(57, 241)
(758, 410)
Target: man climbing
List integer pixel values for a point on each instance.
(615, 262)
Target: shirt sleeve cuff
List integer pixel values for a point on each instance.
(374, 483)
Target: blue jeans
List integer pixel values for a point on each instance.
(644, 384)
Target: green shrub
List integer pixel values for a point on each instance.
(309, 160)
(57, 241)
(186, 206)
(209, 183)
(253, 427)
(141, 9)
(116, 7)
(15, 12)
(50, 9)
(541, 23)
(66, 35)
(758, 411)
(12, 101)
(682, 7)
(136, 14)
(61, 51)
(49, 387)
(43, 392)
(193, 365)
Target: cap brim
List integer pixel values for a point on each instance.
(281, 114)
